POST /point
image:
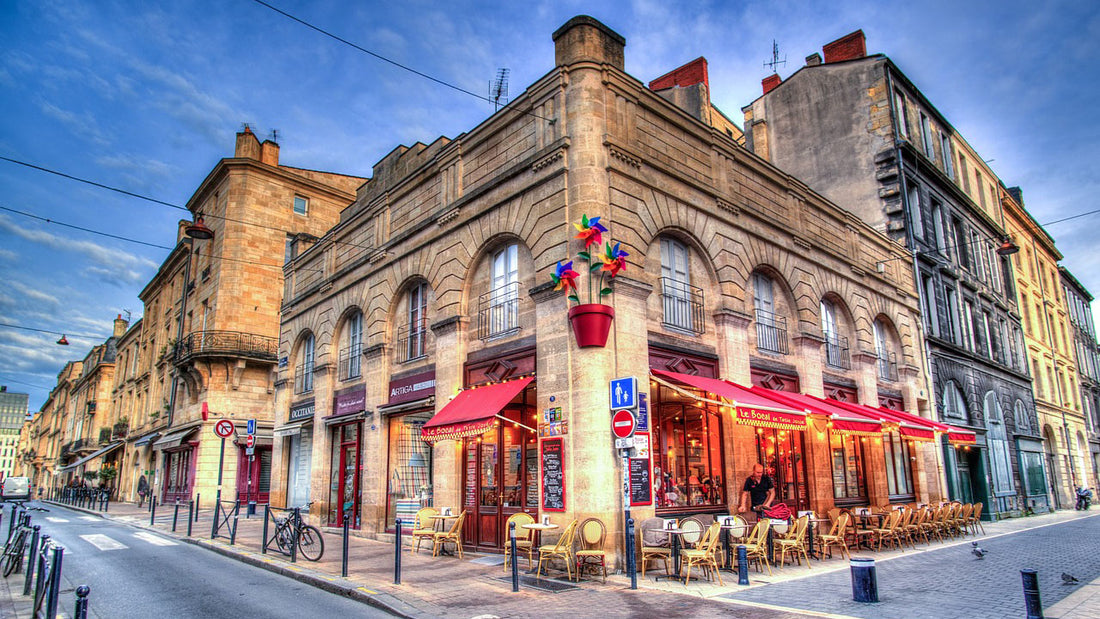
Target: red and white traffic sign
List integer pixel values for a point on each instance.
(623, 423)
(251, 442)
(224, 428)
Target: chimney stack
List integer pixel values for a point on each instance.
(269, 153)
(848, 47)
(769, 83)
(813, 59)
(248, 146)
(120, 326)
(584, 38)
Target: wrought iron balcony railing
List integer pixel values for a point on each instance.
(498, 312)
(683, 305)
(836, 352)
(412, 340)
(351, 362)
(226, 343)
(771, 332)
(888, 366)
(303, 378)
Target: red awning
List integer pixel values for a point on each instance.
(910, 426)
(751, 408)
(472, 411)
(842, 419)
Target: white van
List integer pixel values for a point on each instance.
(18, 488)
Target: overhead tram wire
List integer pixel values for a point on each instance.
(394, 62)
(22, 382)
(66, 333)
(139, 242)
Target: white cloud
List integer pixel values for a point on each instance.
(81, 124)
(7, 254)
(34, 294)
(108, 257)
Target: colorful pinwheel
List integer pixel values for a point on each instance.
(591, 230)
(565, 277)
(614, 259)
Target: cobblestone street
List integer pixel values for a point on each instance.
(937, 582)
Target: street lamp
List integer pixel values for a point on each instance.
(1007, 248)
(198, 230)
(63, 341)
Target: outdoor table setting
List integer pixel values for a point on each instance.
(728, 526)
(865, 516)
(674, 533)
(810, 533)
(440, 520)
(538, 528)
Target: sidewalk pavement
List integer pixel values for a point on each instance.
(478, 585)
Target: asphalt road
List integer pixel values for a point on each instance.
(137, 573)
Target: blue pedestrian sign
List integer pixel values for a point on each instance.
(251, 426)
(624, 393)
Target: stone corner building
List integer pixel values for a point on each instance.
(857, 129)
(430, 305)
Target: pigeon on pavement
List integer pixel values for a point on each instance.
(1069, 579)
(978, 552)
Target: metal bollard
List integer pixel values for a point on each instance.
(30, 561)
(344, 556)
(1032, 604)
(397, 553)
(175, 515)
(198, 497)
(515, 557)
(55, 581)
(152, 511)
(264, 540)
(631, 558)
(771, 545)
(106, 502)
(81, 610)
(297, 516)
(190, 519)
(233, 533)
(864, 580)
(742, 565)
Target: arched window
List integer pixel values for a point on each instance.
(682, 302)
(836, 347)
(503, 311)
(954, 405)
(303, 373)
(887, 361)
(351, 354)
(997, 439)
(771, 329)
(1019, 413)
(412, 335)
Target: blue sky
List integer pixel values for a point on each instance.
(147, 97)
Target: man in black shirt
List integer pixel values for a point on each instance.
(760, 489)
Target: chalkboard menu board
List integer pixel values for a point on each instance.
(553, 476)
(641, 484)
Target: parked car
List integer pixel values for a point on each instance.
(18, 488)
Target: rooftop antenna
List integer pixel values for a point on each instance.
(128, 314)
(275, 135)
(498, 90)
(776, 60)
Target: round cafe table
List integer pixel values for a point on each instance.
(727, 533)
(674, 535)
(441, 525)
(538, 528)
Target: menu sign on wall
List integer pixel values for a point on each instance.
(641, 482)
(553, 475)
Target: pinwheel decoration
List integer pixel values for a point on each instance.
(591, 321)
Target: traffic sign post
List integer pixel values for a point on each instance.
(624, 393)
(251, 426)
(623, 424)
(224, 428)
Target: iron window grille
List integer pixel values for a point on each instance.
(683, 305)
(412, 340)
(837, 352)
(771, 332)
(888, 366)
(498, 312)
(350, 363)
(303, 379)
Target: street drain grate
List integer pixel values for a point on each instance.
(542, 584)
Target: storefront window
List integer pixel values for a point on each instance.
(780, 451)
(1032, 465)
(899, 475)
(344, 484)
(849, 484)
(688, 454)
(410, 468)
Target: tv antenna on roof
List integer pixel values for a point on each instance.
(776, 60)
(498, 89)
(275, 135)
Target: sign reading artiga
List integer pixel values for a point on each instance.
(412, 387)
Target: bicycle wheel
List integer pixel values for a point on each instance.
(14, 555)
(310, 543)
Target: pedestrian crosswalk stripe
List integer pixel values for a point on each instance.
(55, 519)
(103, 542)
(90, 518)
(156, 540)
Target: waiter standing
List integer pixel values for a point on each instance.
(758, 491)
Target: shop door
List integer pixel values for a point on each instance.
(501, 479)
(177, 476)
(781, 453)
(966, 487)
(349, 485)
(254, 476)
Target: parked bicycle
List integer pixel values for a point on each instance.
(311, 544)
(15, 549)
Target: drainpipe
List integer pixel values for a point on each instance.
(179, 330)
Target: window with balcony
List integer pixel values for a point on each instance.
(351, 355)
(887, 361)
(771, 328)
(303, 373)
(498, 309)
(682, 302)
(412, 336)
(836, 346)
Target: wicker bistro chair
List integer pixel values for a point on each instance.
(593, 533)
(562, 549)
(655, 544)
(888, 531)
(933, 524)
(756, 545)
(975, 520)
(424, 526)
(452, 535)
(795, 542)
(736, 534)
(693, 532)
(702, 555)
(962, 517)
(525, 538)
(914, 529)
(837, 536)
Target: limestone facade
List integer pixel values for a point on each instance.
(467, 232)
(1083, 332)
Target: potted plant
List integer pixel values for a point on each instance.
(591, 321)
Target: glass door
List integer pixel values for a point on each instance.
(780, 451)
(488, 505)
(344, 483)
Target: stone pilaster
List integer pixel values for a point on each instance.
(809, 360)
(734, 344)
(450, 347)
(374, 439)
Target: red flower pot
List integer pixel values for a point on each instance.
(591, 323)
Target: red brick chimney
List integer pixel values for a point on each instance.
(769, 83)
(248, 146)
(269, 152)
(694, 72)
(848, 47)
